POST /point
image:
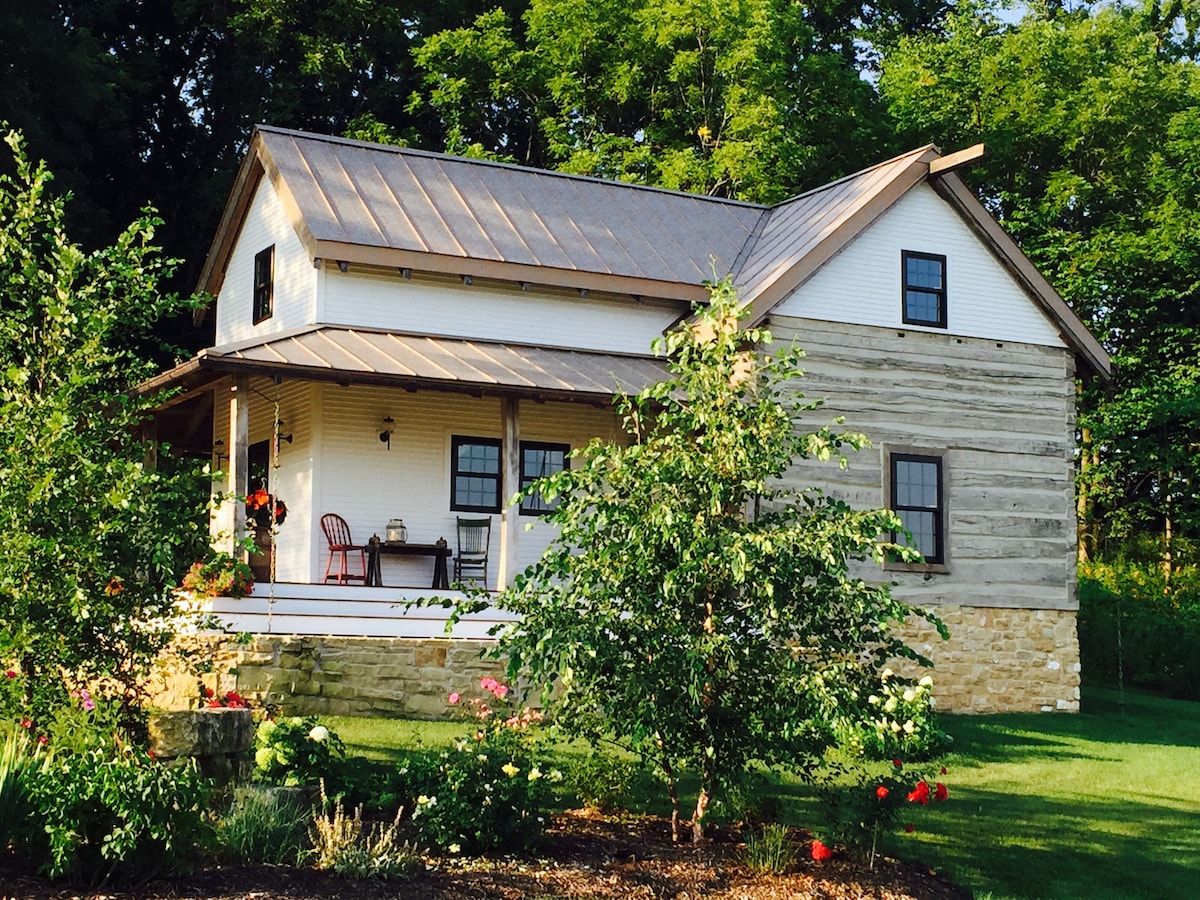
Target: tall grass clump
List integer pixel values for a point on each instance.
(264, 826)
(343, 844)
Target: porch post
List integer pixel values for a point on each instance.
(510, 483)
(238, 483)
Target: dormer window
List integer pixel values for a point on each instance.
(924, 297)
(264, 284)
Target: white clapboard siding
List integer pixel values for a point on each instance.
(292, 481)
(491, 311)
(862, 284)
(295, 281)
(312, 609)
(1003, 411)
(368, 483)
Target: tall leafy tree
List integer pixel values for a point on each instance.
(1092, 118)
(744, 99)
(691, 605)
(91, 536)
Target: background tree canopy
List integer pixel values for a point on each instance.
(1090, 112)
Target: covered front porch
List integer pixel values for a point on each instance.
(375, 427)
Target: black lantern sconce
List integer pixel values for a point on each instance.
(385, 436)
(280, 438)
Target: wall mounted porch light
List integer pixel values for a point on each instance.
(385, 436)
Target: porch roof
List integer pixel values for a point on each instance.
(347, 355)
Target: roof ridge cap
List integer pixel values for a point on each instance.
(916, 152)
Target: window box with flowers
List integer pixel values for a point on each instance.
(263, 513)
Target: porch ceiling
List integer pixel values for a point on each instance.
(363, 356)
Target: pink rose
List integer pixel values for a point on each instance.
(453, 698)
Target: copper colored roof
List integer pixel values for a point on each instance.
(392, 206)
(356, 355)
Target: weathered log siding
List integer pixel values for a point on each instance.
(1005, 414)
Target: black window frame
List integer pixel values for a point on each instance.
(905, 288)
(527, 480)
(938, 460)
(263, 305)
(457, 441)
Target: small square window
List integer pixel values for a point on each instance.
(918, 497)
(474, 474)
(924, 300)
(538, 461)
(264, 284)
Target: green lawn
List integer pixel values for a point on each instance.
(1103, 804)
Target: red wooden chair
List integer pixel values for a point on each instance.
(337, 533)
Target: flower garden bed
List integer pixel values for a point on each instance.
(580, 855)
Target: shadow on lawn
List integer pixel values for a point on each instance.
(1116, 847)
(1107, 717)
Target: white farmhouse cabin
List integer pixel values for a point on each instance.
(402, 334)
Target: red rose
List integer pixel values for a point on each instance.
(919, 794)
(943, 770)
(910, 828)
(881, 792)
(820, 852)
(897, 763)
(940, 793)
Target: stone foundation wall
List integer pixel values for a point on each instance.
(997, 660)
(1002, 660)
(335, 676)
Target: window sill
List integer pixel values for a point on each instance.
(917, 568)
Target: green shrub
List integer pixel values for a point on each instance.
(264, 826)
(1139, 628)
(603, 782)
(294, 750)
(358, 781)
(859, 804)
(341, 844)
(111, 813)
(900, 721)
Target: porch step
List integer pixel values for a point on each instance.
(348, 611)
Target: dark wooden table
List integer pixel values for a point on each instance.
(440, 552)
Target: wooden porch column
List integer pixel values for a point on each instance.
(510, 483)
(238, 482)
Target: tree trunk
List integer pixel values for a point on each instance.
(673, 791)
(698, 818)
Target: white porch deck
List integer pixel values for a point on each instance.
(346, 611)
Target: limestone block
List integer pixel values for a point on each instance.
(201, 732)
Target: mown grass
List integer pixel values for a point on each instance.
(1103, 804)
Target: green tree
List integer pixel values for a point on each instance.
(1092, 122)
(91, 536)
(742, 99)
(691, 605)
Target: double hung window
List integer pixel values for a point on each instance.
(917, 495)
(475, 473)
(924, 296)
(264, 284)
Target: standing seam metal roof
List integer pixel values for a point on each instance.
(478, 209)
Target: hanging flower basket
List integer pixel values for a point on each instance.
(259, 507)
(219, 576)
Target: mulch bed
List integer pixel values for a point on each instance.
(582, 856)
